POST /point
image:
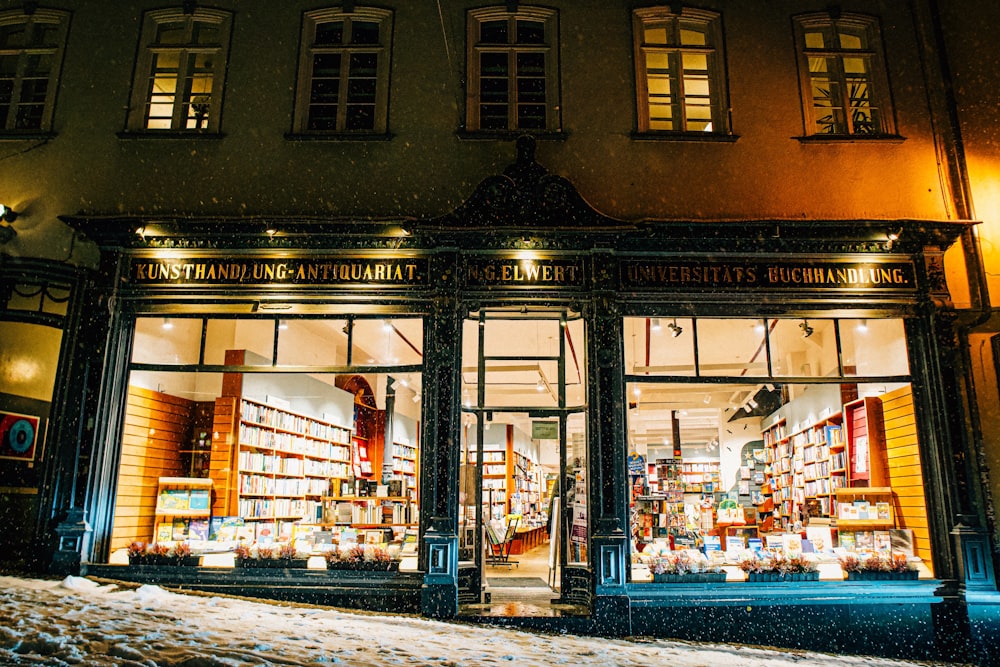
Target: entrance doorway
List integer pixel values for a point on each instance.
(524, 519)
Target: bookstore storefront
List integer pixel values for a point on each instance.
(307, 422)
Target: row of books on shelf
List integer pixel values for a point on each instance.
(262, 485)
(824, 485)
(268, 416)
(404, 451)
(269, 508)
(864, 510)
(255, 436)
(369, 512)
(280, 465)
(172, 500)
(363, 488)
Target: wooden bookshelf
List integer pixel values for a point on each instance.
(178, 501)
(867, 463)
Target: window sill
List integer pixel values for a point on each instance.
(709, 137)
(338, 136)
(509, 135)
(851, 139)
(36, 135)
(197, 135)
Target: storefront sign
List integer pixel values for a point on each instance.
(768, 274)
(520, 272)
(342, 271)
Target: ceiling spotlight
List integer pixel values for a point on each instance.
(654, 324)
(167, 323)
(675, 329)
(752, 403)
(862, 325)
(747, 408)
(708, 399)
(283, 325)
(540, 386)
(416, 398)
(806, 329)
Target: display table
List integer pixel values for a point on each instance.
(529, 537)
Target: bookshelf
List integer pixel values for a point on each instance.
(804, 466)
(865, 508)
(866, 457)
(661, 513)
(183, 504)
(273, 464)
(511, 478)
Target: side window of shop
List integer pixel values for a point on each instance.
(842, 73)
(180, 70)
(513, 66)
(248, 439)
(343, 85)
(31, 51)
(773, 449)
(680, 71)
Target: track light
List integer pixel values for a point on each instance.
(708, 399)
(675, 329)
(806, 329)
(862, 325)
(654, 324)
(167, 323)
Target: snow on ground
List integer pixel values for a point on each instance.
(77, 621)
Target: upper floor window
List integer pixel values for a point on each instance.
(680, 71)
(344, 71)
(31, 48)
(180, 69)
(842, 71)
(513, 62)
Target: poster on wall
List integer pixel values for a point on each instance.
(18, 436)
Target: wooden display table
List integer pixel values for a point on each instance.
(528, 537)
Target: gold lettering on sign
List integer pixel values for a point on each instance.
(280, 272)
(520, 271)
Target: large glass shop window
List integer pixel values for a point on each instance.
(267, 438)
(772, 449)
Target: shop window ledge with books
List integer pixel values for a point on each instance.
(778, 567)
(140, 553)
(685, 567)
(878, 567)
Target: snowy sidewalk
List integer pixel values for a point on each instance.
(80, 622)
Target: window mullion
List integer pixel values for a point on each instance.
(178, 119)
(342, 86)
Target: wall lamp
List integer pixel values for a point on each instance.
(891, 238)
(7, 214)
(675, 329)
(806, 329)
(7, 218)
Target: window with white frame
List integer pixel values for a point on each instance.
(344, 71)
(31, 48)
(842, 71)
(513, 63)
(680, 71)
(180, 70)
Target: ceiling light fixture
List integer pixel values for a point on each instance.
(654, 324)
(862, 325)
(675, 329)
(806, 329)
(167, 323)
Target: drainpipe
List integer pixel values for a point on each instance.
(974, 546)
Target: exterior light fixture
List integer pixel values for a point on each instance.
(891, 238)
(7, 214)
(806, 329)
(675, 329)
(141, 232)
(270, 231)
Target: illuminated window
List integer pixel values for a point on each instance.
(513, 61)
(680, 74)
(31, 47)
(842, 73)
(179, 76)
(344, 71)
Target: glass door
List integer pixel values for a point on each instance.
(523, 511)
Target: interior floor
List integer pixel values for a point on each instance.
(521, 588)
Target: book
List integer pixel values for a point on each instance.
(712, 543)
(174, 499)
(198, 529)
(735, 543)
(791, 544)
(864, 540)
(180, 532)
(881, 540)
(224, 528)
(164, 531)
(198, 499)
(821, 537)
(755, 544)
(901, 541)
(863, 509)
(847, 541)
(264, 533)
(883, 511)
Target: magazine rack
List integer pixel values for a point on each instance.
(498, 553)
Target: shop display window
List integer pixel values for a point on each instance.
(242, 458)
(746, 476)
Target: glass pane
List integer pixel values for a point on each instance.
(731, 347)
(13, 36)
(255, 337)
(696, 86)
(171, 32)
(852, 40)
(576, 363)
(205, 33)
(655, 35)
(814, 39)
(364, 32)
(530, 32)
(806, 348)
(28, 360)
(874, 347)
(330, 33)
(656, 60)
(312, 342)
(855, 65)
(513, 338)
(577, 484)
(659, 346)
(493, 32)
(389, 342)
(694, 61)
(167, 340)
(693, 37)
(527, 383)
